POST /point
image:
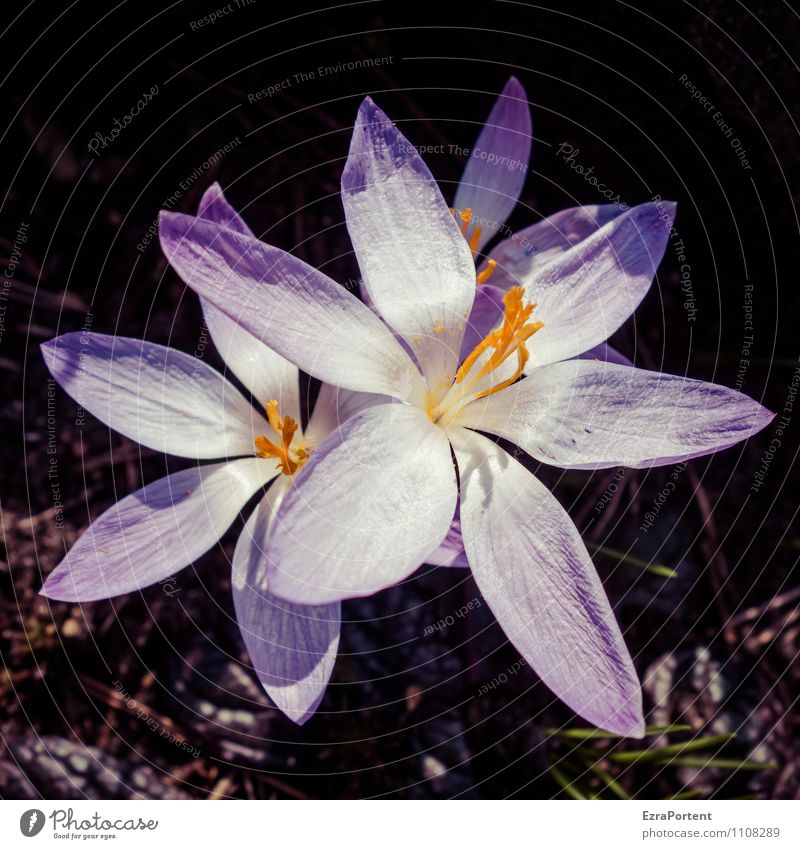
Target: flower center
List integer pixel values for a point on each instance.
(289, 458)
(472, 240)
(495, 349)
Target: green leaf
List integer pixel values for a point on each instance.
(636, 562)
(613, 785)
(721, 763)
(599, 734)
(566, 785)
(666, 752)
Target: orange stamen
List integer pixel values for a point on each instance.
(289, 459)
(487, 272)
(508, 339)
(466, 219)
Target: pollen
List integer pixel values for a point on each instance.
(290, 458)
(507, 340)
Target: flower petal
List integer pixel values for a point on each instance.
(487, 313)
(159, 397)
(528, 251)
(416, 266)
(214, 207)
(292, 647)
(605, 354)
(588, 291)
(451, 551)
(371, 504)
(266, 375)
(304, 315)
(590, 415)
(533, 569)
(498, 164)
(334, 406)
(151, 534)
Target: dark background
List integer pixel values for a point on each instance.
(407, 714)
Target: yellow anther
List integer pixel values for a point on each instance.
(508, 339)
(289, 459)
(487, 272)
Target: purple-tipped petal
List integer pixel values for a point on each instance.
(156, 531)
(215, 207)
(266, 375)
(292, 647)
(371, 504)
(524, 254)
(498, 163)
(533, 569)
(604, 353)
(416, 266)
(157, 396)
(590, 415)
(588, 291)
(295, 309)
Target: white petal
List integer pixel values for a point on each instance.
(156, 531)
(528, 251)
(334, 407)
(371, 504)
(586, 414)
(416, 265)
(292, 647)
(293, 308)
(157, 396)
(533, 569)
(587, 292)
(266, 375)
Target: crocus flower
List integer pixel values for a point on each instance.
(175, 403)
(377, 498)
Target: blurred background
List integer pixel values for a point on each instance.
(151, 695)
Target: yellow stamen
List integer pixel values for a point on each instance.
(466, 219)
(289, 459)
(487, 272)
(474, 239)
(508, 339)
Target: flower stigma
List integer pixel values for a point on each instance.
(289, 458)
(506, 341)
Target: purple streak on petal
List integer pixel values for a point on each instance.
(292, 647)
(151, 534)
(533, 569)
(495, 171)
